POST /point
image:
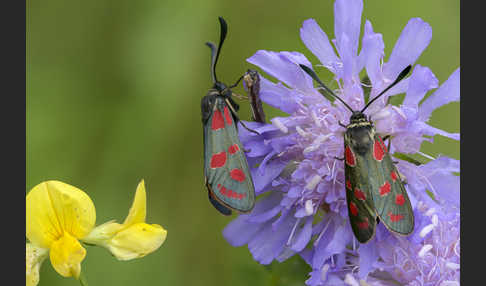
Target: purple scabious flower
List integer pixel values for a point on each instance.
(293, 160)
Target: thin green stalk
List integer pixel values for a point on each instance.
(82, 279)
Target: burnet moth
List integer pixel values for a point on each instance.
(374, 188)
(228, 179)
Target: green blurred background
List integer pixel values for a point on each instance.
(113, 96)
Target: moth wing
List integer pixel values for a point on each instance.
(361, 210)
(226, 169)
(390, 197)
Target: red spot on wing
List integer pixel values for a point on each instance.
(348, 185)
(378, 152)
(393, 176)
(364, 224)
(218, 160)
(230, 193)
(399, 199)
(233, 148)
(385, 189)
(350, 158)
(353, 209)
(359, 194)
(217, 122)
(227, 115)
(395, 217)
(237, 175)
(383, 146)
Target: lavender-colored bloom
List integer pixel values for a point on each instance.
(294, 158)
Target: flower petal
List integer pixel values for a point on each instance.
(137, 241)
(316, 40)
(371, 54)
(66, 255)
(368, 255)
(413, 40)
(421, 81)
(278, 96)
(449, 91)
(138, 210)
(34, 256)
(53, 208)
(239, 231)
(284, 66)
(347, 22)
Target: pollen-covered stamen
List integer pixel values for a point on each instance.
(426, 248)
(430, 212)
(301, 132)
(317, 143)
(217, 121)
(385, 189)
(435, 220)
(316, 119)
(313, 182)
(426, 230)
(324, 270)
(350, 280)
(218, 160)
(276, 121)
(227, 115)
(309, 207)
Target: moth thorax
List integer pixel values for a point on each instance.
(222, 89)
(357, 117)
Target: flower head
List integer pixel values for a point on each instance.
(58, 215)
(294, 159)
(134, 238)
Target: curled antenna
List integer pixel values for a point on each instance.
(215, 52)
(402, 74)
(316, 78)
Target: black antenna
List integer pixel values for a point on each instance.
(316, 78)
(403, 74)
(214, 52)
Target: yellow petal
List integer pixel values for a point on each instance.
(102, 233)
(138, 210)
(137, 240)
(54, 207)
(34, 256)
(66, 255)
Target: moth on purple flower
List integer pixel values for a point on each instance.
(228, 179)
(374, 189)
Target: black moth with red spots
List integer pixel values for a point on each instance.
(374, 189)
(228, 179)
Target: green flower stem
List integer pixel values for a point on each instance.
(82, 279)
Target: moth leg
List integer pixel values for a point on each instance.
(246, 150)
(240, 97)
(340, 159)
(342, 125)
(402, 177)
(251, 130)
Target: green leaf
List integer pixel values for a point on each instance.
(407, 158)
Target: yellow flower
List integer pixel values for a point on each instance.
(57, 215)
(134, 238)
(34, 256)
